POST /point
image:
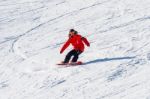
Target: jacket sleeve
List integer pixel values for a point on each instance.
(85, 41)
(65, 46)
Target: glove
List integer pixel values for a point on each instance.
(61, 52)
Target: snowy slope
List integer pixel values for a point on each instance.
(116, 64)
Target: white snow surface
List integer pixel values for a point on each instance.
(116, 65)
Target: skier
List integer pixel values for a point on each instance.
(77, 42)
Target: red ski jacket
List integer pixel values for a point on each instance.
(77, 42)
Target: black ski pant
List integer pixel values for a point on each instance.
(74, 53)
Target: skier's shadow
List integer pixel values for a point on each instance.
(108, 59)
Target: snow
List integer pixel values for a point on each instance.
(116, 64)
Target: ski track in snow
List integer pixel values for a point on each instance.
(116, 66)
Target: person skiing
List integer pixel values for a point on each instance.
(77, 41)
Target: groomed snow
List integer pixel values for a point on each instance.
(117, 64)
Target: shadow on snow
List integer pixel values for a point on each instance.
(108, 59)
